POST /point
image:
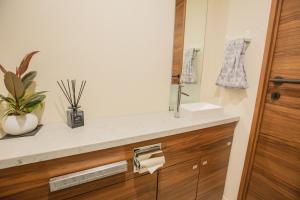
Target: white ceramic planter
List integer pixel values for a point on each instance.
(18, 125)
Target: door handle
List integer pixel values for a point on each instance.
(278, 80)
(275, 96)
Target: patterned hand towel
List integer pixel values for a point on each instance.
(189, 68)
(233, 73)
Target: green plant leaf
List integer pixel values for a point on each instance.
(14, 85)
(7, 99)
(25, 63)
(34, 101)
(28, 78)
(3, 69)
(26, 98)
(8, 112)
(32, 108)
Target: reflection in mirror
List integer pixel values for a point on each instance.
(188, 49)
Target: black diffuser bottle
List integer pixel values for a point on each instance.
(75, 116)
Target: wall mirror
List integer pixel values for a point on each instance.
(188, 48)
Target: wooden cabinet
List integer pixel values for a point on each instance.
(140, 188)
(179, 181)
(195, 168)
(213, 169)
(201, 179)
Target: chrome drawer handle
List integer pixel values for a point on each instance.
(85, 176)
(204, 162)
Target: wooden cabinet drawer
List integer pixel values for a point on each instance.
(194, 144)
(213, 170)
(32, 181)
(140, 188)
(37, 188)
(179, 181)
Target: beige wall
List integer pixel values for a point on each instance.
(233, 18)
(122, 48)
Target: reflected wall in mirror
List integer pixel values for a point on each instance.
(188, 48)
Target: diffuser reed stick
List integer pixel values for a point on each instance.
(70, 92)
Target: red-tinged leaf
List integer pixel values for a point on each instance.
(25, 63)
(14, 85)
(3, 69)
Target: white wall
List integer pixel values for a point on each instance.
(233, 18)
(122, 48)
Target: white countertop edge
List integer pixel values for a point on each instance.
(34, 158)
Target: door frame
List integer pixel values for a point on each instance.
(261, 95)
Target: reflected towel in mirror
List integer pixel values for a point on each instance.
(189, 68)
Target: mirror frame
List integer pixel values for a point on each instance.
(178, 42)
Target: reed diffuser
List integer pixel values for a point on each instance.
(75, 116)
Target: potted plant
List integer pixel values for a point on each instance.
(18, 118)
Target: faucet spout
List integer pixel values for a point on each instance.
(179, 93)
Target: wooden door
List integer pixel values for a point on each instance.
(179, 181)
(272, 168)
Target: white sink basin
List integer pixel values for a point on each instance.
(200, 110)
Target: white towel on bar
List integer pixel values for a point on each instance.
(233, 73)
(189, 68)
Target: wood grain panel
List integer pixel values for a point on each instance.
(177, 151)
(212, 188)
(276, 172)
(31, 181)
(258, 191)
(141, 188)
(178, 43)
(287, 53)
(179, 181)
(282, 122)
(212, 176)
(289, 95)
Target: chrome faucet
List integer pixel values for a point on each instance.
(179, 93)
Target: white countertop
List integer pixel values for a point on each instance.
(57, 140)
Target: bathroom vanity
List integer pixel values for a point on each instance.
(196, 158)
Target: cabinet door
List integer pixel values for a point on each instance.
(140, 188)
(213, 169)
(179, 181)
